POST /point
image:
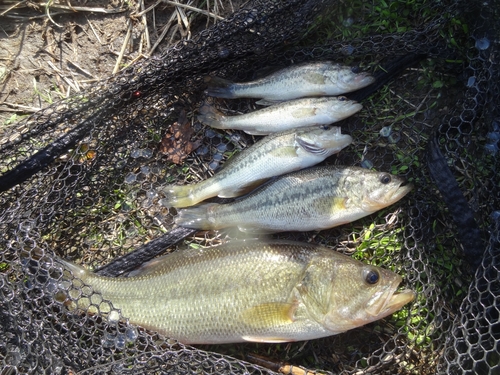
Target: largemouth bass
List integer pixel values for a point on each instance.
(283, 116)
(313, 199)
(297, 81)
(273, 155)
(274, 291)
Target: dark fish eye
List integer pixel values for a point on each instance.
(342, 98)
(385, 178)
(325, 127)
(372, 276)
(356, 69)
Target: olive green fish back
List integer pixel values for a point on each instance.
(81, 179)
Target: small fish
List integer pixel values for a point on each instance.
(313, 199)
(283, 116)
(297, 81)
(275, 291)
(273, 155)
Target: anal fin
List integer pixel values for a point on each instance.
(242, 190)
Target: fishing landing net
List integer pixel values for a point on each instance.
(81, 180)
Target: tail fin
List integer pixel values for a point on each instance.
(220, 88)
(179, 196)
(77, 271)
(196, 217)
(211, 117)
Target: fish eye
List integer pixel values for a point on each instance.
(371, 276)
(325, 127)
(385, 178)
(356, 69)
(341, 98)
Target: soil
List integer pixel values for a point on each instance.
(44, 59)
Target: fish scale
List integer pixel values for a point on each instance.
(276, 154)
(301, 80)
(272, 291)
(312, 199)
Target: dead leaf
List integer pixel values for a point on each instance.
(176, 144)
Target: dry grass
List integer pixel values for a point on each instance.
(52, 49)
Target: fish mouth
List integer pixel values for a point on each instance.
(394, 194)
(364, 79)
(390, 301)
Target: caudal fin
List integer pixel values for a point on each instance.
(178, 196)
(208, 115)
(220, 88)
(196, 217)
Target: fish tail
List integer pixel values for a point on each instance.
(196, 217)
(211, 117)
(75, 269)
(220, 88)
(179, 196)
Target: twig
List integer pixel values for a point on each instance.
(12, 7)
(206, 13)
(124, 46)
(173, 16)
(146, 31)
(19, 106)
(47, 12)
(93, 30)
(60, 73)
(189, 7)
(82, 9)
(88, 74)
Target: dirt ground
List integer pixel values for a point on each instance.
(48, 52)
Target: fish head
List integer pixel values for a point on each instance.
(382, 190)
(322, 140)
(361, 294)
(340, 107)
(371, 191)
(350, 79)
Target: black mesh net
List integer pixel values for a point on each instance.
(80, 180)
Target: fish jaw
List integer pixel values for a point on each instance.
(382, 303)
(343, 109)
(387, 301)
(377, 200)
(363, 80)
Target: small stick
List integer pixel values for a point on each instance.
(124, 46)
(163, 33)
(93, 30)
(88, 74)
(19, 106)
(12, 7)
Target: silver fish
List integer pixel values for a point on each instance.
(283, 116)
(273, 155)
(297, 81)
(313, 199)
(275, 291)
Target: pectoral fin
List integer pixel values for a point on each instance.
(304, 112)
(315, 78)
(330, 204)
(272, 314)
(284, 152)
